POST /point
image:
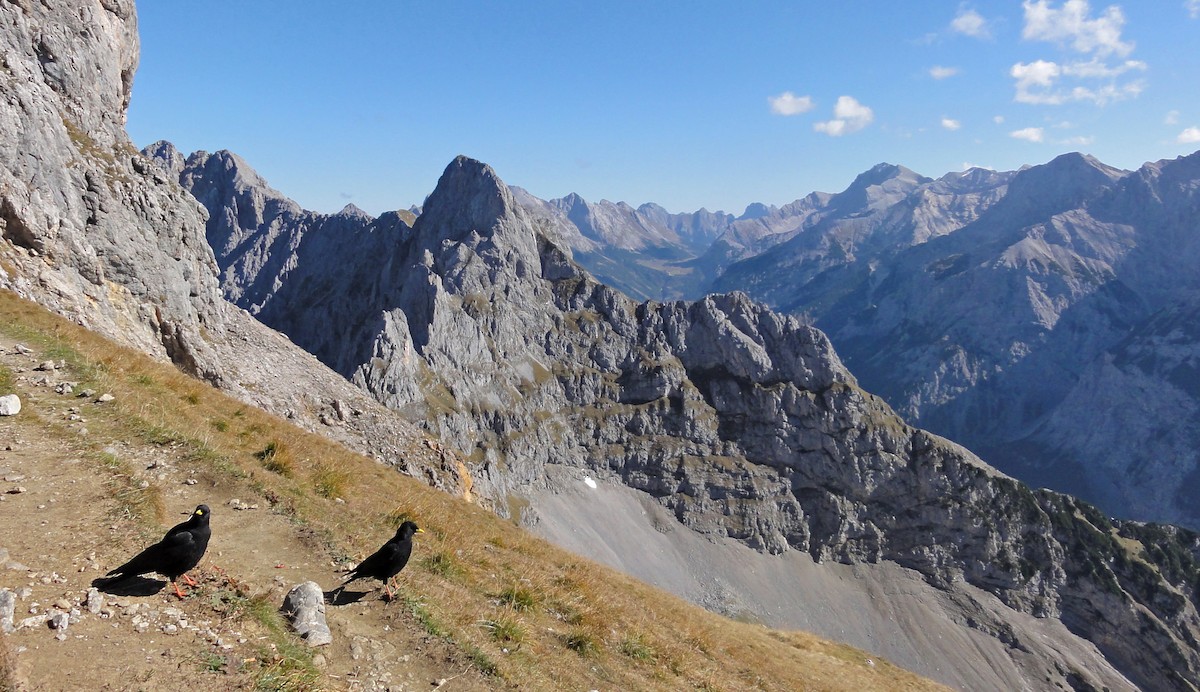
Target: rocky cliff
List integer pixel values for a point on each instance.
(94, 230)
(91, 228)
(741, 423)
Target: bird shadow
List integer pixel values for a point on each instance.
(339, 597)
(130, 586)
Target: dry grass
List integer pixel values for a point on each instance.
(8, 667)
(518, 609)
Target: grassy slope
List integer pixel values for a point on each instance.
(488, 603)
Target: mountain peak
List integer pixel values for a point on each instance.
(756, 210)
(354, 211)
(469, 197)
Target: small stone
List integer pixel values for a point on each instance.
(95, 601)
(47, 365)
(33, 621)
(17, 490)
(10, 405)
(304, 607)
(105, 398)
(62, 604)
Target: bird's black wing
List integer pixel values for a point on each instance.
(179, 541)
(141, 563)
(375, 564)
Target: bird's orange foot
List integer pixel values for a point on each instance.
(189, 580)
(177, 591)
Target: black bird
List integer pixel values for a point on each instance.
(178, 551)
(386, 563)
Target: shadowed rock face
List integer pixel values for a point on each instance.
(738, 421)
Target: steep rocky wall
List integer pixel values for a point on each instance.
(90, 228)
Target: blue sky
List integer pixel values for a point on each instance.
(687, 104)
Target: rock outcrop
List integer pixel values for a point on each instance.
(91, 228)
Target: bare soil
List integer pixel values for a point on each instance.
(63, 523)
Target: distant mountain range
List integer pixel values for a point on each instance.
(1038, 316)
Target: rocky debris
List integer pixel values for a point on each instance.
(304, 606)
(239, 505)
(10, 405)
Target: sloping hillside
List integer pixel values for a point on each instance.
(483, 604)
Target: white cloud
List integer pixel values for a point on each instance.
(1193, 8)
(951, 124)
(940, 72)
(1189, 136)
(998, 119)
(1172, 117)
(1029, 134)
(1038, 82)
(1071, 25)
(970, 23)
(1091, 79)
(848, 116)
(788, 103)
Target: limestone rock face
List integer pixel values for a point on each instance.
(740, 422)
(96, 231)
(90, 228)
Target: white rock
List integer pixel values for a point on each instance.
(10, 405)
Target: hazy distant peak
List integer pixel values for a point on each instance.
(756, 210)
(353, 211)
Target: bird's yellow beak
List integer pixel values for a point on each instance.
(420, 530)
(199, 512)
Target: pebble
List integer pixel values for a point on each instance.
(95, 601)
(59, 620)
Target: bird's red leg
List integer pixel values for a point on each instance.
(177, 591)
(188, 579)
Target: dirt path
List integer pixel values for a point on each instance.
(65, 494)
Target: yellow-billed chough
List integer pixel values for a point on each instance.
(386, 563)
(178, 551)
